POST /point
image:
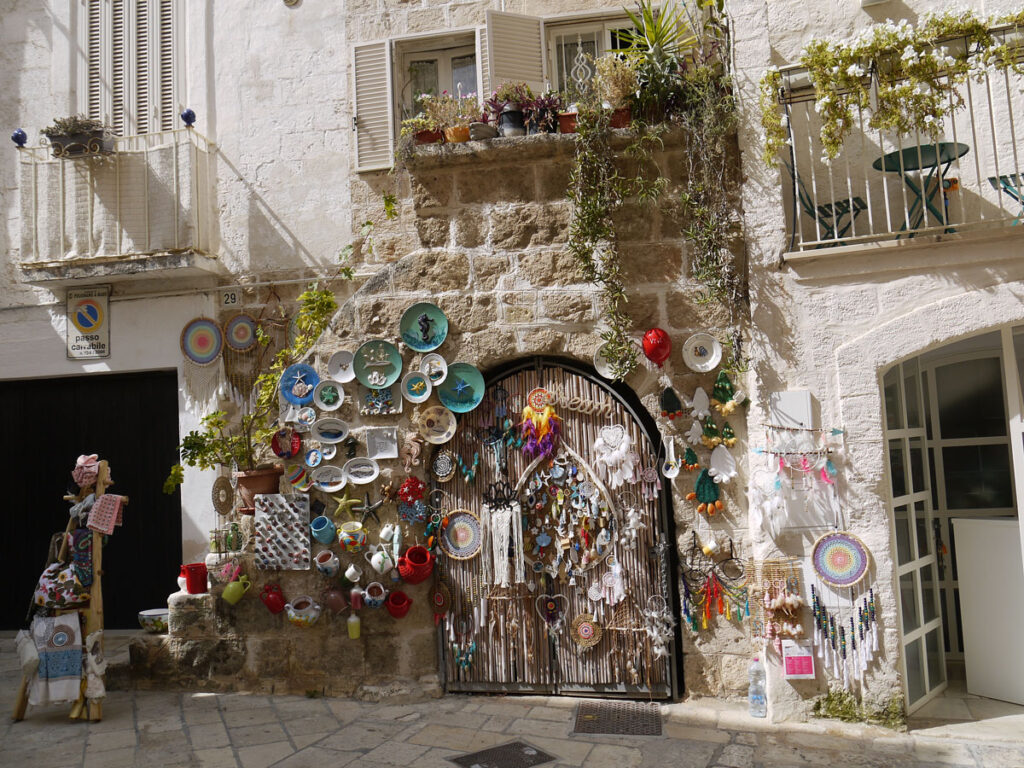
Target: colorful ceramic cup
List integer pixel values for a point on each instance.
(352, 536)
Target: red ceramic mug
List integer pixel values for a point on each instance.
(398, 603)
(195, 578)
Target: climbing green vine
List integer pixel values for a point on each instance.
(906, 78)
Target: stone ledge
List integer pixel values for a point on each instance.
(133, 266)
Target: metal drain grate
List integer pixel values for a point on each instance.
(625, 718)
(514, 755)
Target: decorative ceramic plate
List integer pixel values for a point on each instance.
(437, 424)
(840, 559)
(329, 430)
(298, 383)
(306, 417)
(463, 388)
(377, 364)
(423, 327)
(361, 470)
(702, 352)
(435, 367)
(416, 386)
(328, 395)
(601, 364)
(329, 478)
(382, 442)
(286, 443)
(240, 332)
(339, 367)
(328, 450)
(314, 458)
(202, 340)
(299, 477)
(462, 538)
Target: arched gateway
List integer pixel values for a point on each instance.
(569, 610)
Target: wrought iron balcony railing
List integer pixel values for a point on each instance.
(153, 194)
(967, 175)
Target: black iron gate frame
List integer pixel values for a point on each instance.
(669, 556)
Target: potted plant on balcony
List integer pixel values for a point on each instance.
(452, 114)
(616, 84)
(542, 113)
(79, 136)
(507, 104)
(657, 48)
(243, 445)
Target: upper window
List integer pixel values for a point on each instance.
(448, 67)
(130, 55)
(593, 39)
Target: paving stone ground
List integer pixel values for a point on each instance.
(164, 729)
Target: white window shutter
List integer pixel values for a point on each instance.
(94, 60)
(118, 68)
(373, 119)
(483, 70)
(515, 50)
(143, 102)
(165, 89)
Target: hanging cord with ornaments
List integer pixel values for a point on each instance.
(711, 587)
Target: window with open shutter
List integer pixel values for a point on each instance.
(515, 50)
(372, 122)
(132, 53)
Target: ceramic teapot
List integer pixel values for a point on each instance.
(234, 591)
(272, 598)
(303, 612)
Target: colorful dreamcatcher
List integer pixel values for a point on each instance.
(540, 427)
(202, 344)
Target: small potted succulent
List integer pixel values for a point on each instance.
(452, 114)
(508, 104)
(420, 130)
(79, 136)
(616, 84)
(542, 113)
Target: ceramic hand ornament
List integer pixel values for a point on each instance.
(722, 466)
(699, 405)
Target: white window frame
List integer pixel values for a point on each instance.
(556, 28)
(130, 124)
(443, 56)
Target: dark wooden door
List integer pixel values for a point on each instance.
(131, 420)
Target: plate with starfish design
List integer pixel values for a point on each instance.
(462, 389)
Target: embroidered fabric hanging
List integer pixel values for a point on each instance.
(502, 522)
(59, 644)
(202, 343)
(240, 357)
(614, 458)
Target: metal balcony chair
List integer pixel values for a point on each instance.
(829, 216)
(1011, 185)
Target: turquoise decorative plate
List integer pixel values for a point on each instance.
(462, 389)
(423, 327)
(416, 386)
(377, 364)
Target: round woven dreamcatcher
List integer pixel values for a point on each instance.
(840, 559)
(462, 538)
(586, 632)
(443, 466)
(223, 496)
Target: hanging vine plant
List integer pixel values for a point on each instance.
(682, 81)
(905, 77)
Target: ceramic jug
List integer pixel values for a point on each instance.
(351, 536)
(303, 612)
(328, 563)
(374, 594)
(234, 591)
(272, 598)
(380, 560)
(323, 530)
(416, 564)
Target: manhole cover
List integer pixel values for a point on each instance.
(514, 755)
(626, 718)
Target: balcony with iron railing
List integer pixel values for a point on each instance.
(963, 175)
(144, 209)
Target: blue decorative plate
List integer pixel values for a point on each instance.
(462, 389)
(298, 383)
(416, 386)
(377, 364)
(423, 327)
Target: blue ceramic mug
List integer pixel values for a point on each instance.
(323, 530)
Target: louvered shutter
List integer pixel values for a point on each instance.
(483, 70)
(515, 49)
(165, 88)
(94, 60)
(118, 68)
(142, 68)
(373, 123)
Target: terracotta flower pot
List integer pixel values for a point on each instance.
(567, 122)
(429, 137)
(265, 480)
(456, 134)
(621, 118)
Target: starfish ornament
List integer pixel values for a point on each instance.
(460, 386)
(368, 509)
(345, 504)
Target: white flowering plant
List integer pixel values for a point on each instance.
(915, 78)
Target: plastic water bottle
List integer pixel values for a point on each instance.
(756, 694)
